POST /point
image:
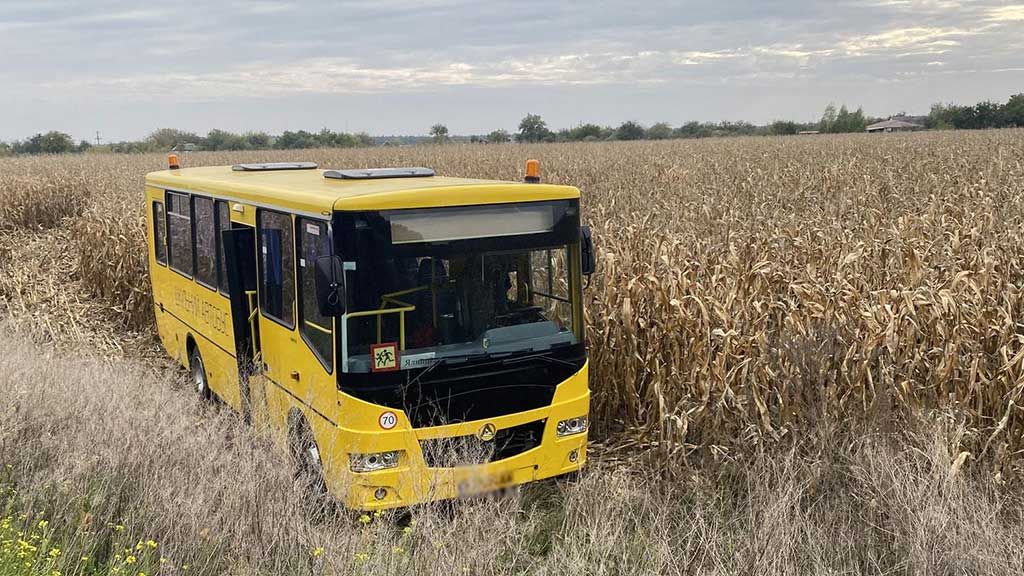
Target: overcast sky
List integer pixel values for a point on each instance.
(399, 66)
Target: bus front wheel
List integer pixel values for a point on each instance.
(199, 380)
(307, 463)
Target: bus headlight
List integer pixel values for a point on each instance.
(577, 425)
(373, 462)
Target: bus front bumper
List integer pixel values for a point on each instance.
(420, 478)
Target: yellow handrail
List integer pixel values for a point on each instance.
(378, 313)
(317, 327)
(253, 320)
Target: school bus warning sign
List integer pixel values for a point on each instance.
(384, 356)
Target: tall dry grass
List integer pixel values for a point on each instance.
(107, 459)
(747, 288)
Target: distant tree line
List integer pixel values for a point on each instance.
(985, 114)
(532, 128)
(166, 139)
(52, 142)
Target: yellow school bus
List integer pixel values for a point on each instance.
(406, 337)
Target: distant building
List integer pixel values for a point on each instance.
(808, 132)
(893, 125)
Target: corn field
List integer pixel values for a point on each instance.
(748, 289)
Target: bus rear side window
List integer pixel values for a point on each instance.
(159, 233)
(277, 267)
(205, 241)
(223, 223)
(179, 227)
(316, 329)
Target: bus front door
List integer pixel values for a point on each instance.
(240, 257)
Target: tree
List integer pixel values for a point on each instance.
(940, 117)
(989, 114)
(499, 136)
(846, 121)
(83, 146)
(533, 129)
(5, 149)
(256, 140)
(295, 140)
(223, 140)
(629, 130)
(164, 139)
(828, 118)
(660, 131)
(52, 142)
(584, 133)
(692, 129)
(439, 132)
(1013, 110)
(783, 128)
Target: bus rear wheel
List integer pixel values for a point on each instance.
(198, 370)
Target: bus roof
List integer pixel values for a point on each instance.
(310, 192)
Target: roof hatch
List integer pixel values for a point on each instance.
(378, 173)
(269, 166)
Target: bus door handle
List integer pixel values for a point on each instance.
(295, 375)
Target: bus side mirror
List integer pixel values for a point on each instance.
(330, 285)
(588, 263)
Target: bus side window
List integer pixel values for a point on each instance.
(159, 233)
(277, 267)
(179, 227)
(223, 223)
(316, 329)
(205, 241)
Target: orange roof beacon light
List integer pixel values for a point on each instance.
(532, 171)
(172, 162)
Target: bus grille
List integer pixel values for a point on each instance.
(469, 450)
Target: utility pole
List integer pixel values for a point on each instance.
(97, 137)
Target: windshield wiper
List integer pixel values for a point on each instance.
(424, 372)
(542, 356)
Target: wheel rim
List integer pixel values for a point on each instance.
(199, 375)
(313, 458)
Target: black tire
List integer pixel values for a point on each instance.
(309, 471)
(200, 383)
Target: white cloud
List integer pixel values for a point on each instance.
(1012, 13)
(920, 39)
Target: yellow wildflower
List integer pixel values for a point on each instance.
(397, 550)
(54, 552)
(130, 559)
(364, 519)
(85, 558)
(119, 528)
(151, 544)
(43, 524)
(318, 552)
(362, 557)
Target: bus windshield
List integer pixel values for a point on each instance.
(436, 287)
